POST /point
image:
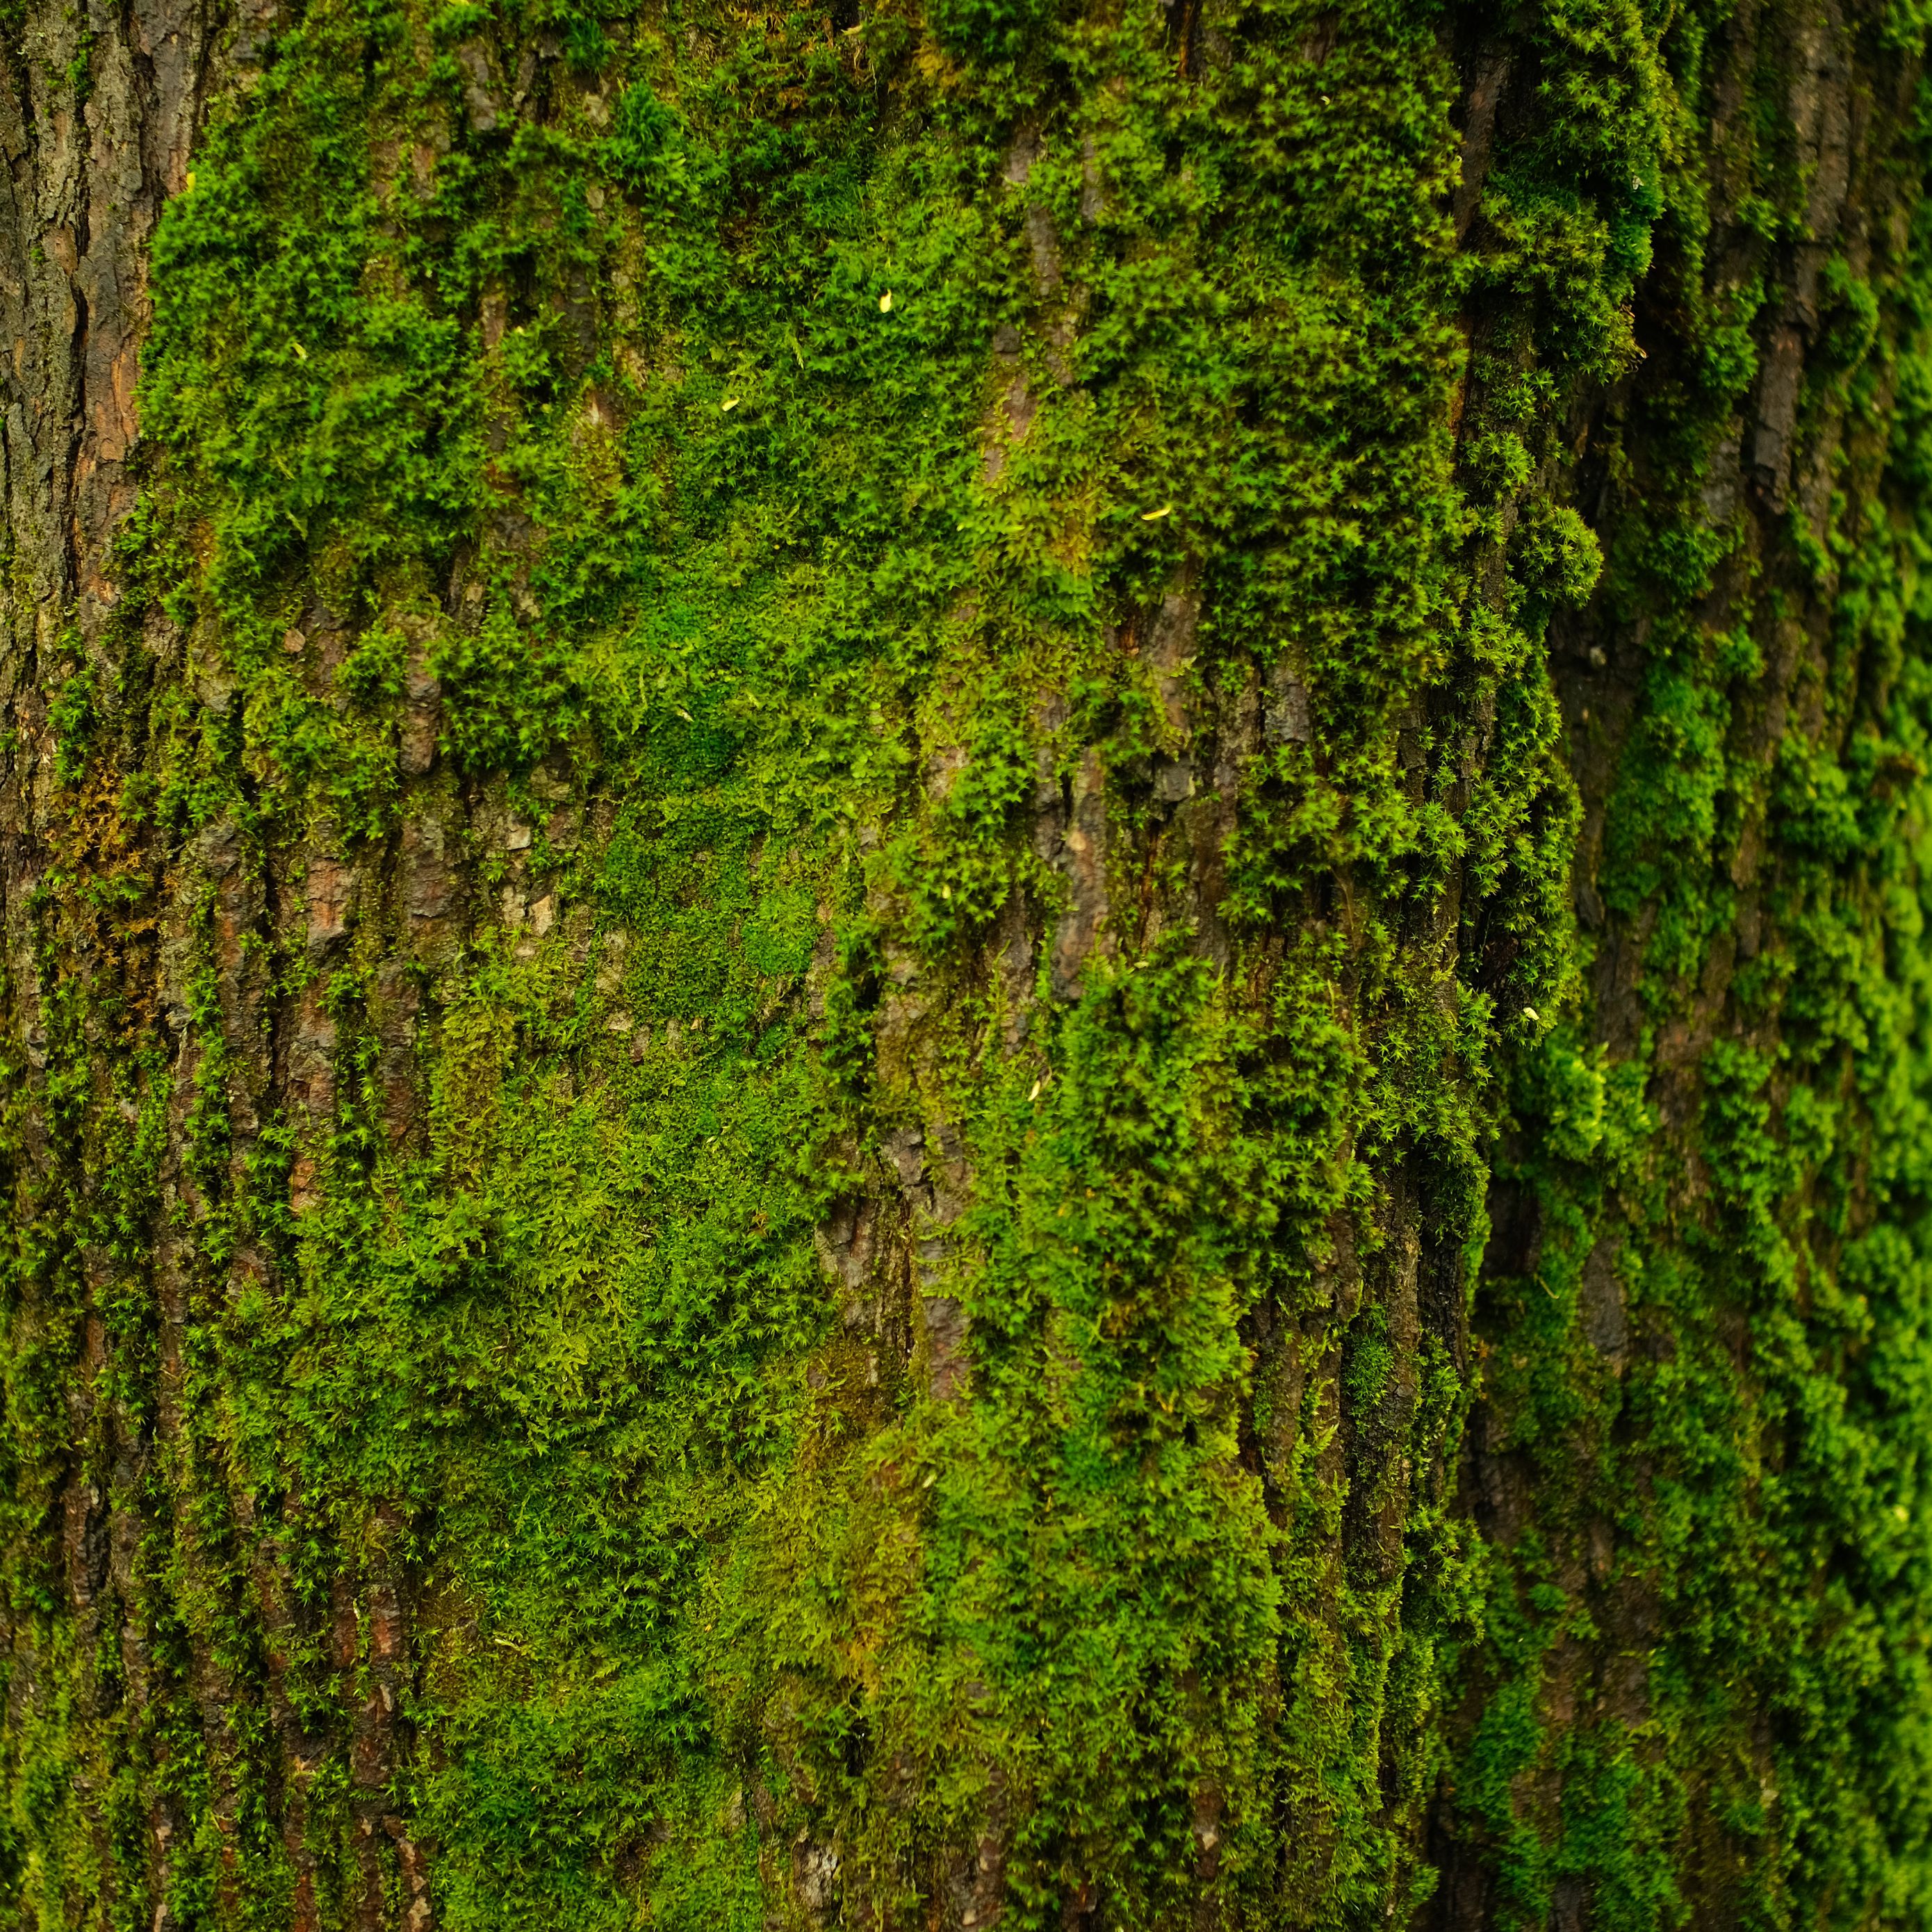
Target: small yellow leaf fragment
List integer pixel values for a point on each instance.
(1531, 1015)
(886, 303)
(682, 712)
(301, 354)
(1035, 1094)
(729, 403)
(1155, 516)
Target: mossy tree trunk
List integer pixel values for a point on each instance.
(966, 966)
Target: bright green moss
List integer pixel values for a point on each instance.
(733, 543)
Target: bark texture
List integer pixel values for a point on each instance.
(965, 965)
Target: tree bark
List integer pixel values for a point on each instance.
(966, 966)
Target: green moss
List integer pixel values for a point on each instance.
(637, 379)
(1729, 1505)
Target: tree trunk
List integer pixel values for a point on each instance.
(966, 966)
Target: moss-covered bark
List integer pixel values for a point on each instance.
(966, 966)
